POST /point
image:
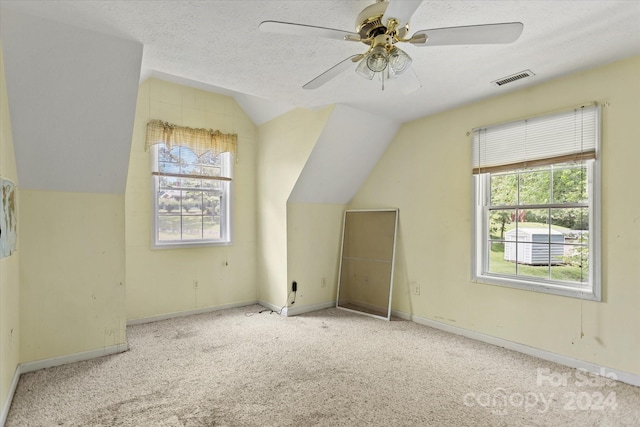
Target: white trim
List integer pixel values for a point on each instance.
(622, 376)
(72, 358)
(172, 315)
(290, 310)
(7, 402)
(296, 310)
(272, 307)
(23, 368)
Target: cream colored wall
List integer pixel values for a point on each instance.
(71, 273)
(285, 145)
(162, 281)
(9, 266)
(426, 173)
(314, 235)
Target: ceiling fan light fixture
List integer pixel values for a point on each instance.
(364, 70)
(378, 59)
(399, 60)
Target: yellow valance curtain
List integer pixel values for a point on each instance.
(199, 141)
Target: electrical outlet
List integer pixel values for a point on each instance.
(415, 288)
(195, 284)
(323, 283)
(12, 336)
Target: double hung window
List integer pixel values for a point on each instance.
(192, 184)
(536, 204)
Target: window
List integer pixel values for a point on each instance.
(536, 204)
(191, 172)
(192, 194)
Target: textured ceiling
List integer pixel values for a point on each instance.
(217, 44)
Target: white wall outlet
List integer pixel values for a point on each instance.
(323, 282)
(195, 284)
(415, 288)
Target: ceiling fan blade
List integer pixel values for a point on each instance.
(293, 29)
(332, 72)
(471, 34)
(401, 10)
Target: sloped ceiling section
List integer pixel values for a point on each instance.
(72, 97)
(258, 109)
(349, 146)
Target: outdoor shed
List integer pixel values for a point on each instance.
(534, 245)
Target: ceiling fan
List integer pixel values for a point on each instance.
(381, 26)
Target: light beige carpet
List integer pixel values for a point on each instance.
(329, 368)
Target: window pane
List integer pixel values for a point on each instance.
(167, 202)
(192, 227)
(535, 186)
(211, 227)
(169, 182)
(189, 183)
(570, 183)
(207, 159)
(192, 202)
(169, 228)
(497, 262)
(573, 222)
(210, 170)
(164, 155)
(211, 204)
(168, 167)
(534, 218)
(533, 259)
(504, 189)
(499, 222)
(575, 265)
(212, 184)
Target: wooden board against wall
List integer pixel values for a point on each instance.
(367, 261)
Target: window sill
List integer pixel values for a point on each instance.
(535, 286)
(188, 245)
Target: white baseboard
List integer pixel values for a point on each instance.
(571, 362)
(166, 316)
(7, 402)
(72, 358)
(51, 362)
(295, 310)
(278, 309)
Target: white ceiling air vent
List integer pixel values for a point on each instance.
(513, 77)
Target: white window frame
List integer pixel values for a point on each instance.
(481, 246)
(225, 208)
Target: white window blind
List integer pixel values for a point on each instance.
(559, 137)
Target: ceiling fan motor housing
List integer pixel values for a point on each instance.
(369, 23)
